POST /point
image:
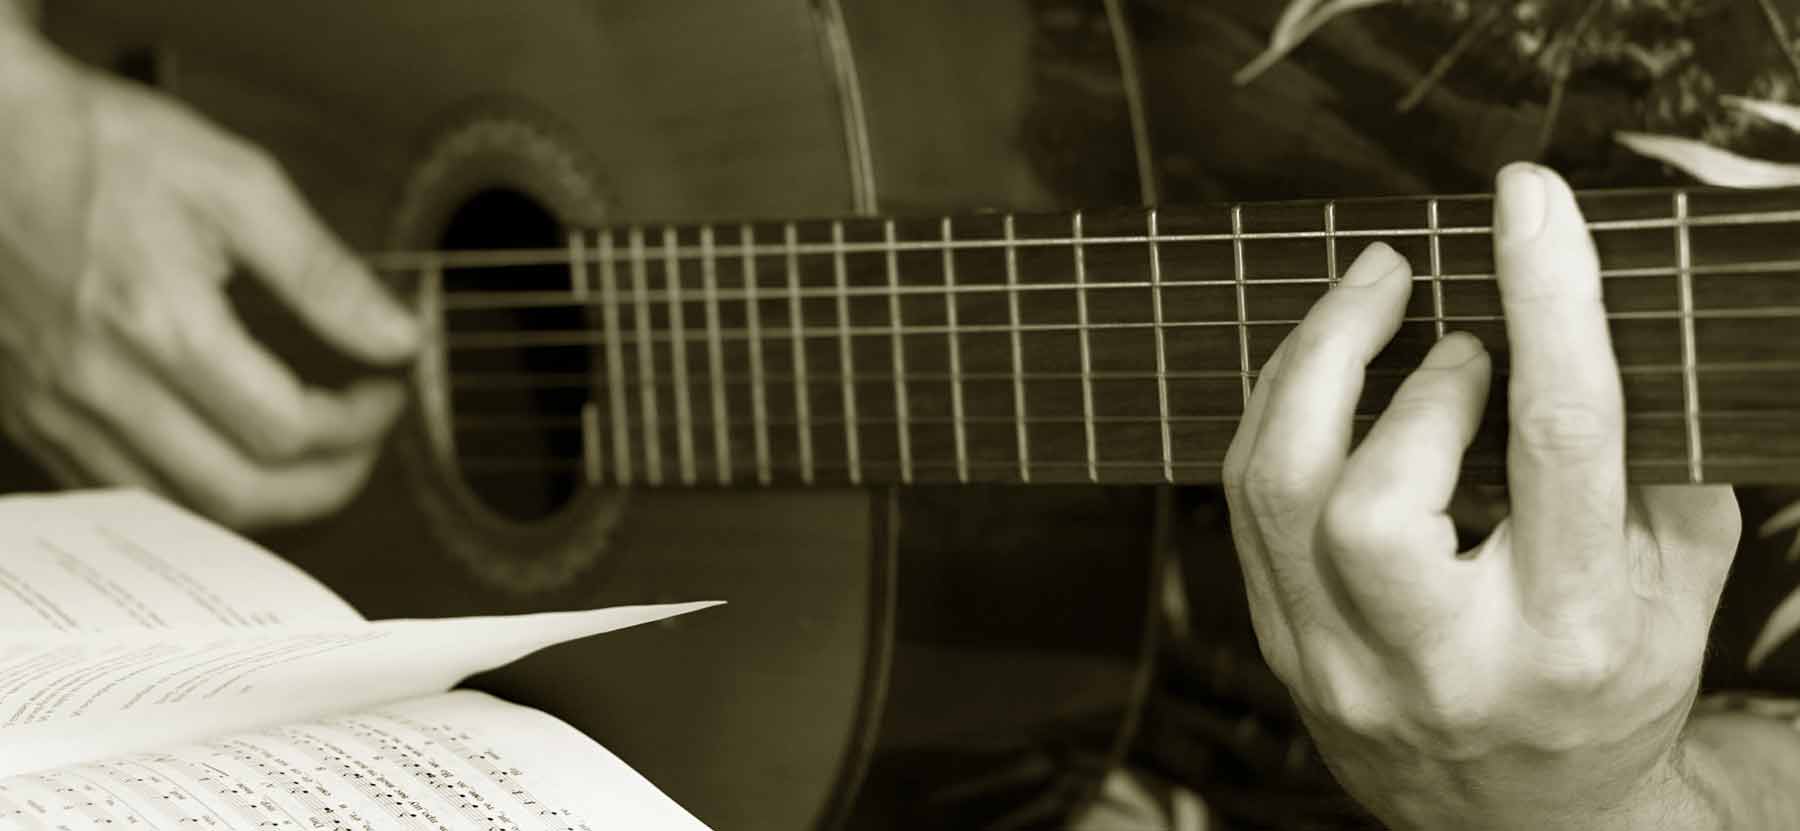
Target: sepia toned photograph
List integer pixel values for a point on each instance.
(880, 415)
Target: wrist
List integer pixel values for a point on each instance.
(1679, 789)
(1681, 792)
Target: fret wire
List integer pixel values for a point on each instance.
(846, 359)
(1018, 351)
(1243, 321)
(590, 418)
(646, 356)
(902, 408)
(485, 299)
(950, 330)
(1437, 270)
(1331, 252)
(802, 401)
(759, 405)
(1162, 360)
(684, 405)
(407, 260)
(1690, 388)
(578, 266)
(1087, 361)
(615, 360)
(593, 464)
(715, 357)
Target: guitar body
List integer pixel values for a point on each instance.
(953, 656)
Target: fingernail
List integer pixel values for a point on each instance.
(1375, 262)
(1454, 349)
(1519, 202)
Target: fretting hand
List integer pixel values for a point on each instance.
(1541, 680)
(122, 214)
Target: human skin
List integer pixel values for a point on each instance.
(1545, 678)
(122, 216)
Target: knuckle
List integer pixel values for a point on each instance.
(1581, 663)
(1346, 703)
(1311, 341)
(1416, 403)
(1561, 428)
(1280, 659)
(235, 494)
(335, 486)
(258, 168)
(140, 314)
(234, 507)
(81, 371)
(1351, 522)
(1275, 492)
(320, 272)
(1232, 475)
(277, 441)
(1552, 289)
(1447, 707)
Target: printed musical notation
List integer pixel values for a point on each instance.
(388, 769)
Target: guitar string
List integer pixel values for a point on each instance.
(490, 300)
(671, 252)
(1151, 468)
(521, 422)
(407, 260)
(548, 338)
(554, 380)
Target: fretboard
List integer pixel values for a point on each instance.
(1113, 347)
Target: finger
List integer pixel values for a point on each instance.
(1267, 616)
(1387, 525)
(1306, 430)
(251, 396)
(75, 450)
(1237, 454)
(267, 223)
(1565, 451)
(203, 467)
(1696, 529)
(1306, 426)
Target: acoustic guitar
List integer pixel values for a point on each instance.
(717, 311)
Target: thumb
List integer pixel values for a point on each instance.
(269, 226)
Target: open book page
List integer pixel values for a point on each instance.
(462, 760)
(90, 561)
(68, 698)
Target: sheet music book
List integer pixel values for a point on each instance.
(159, 672)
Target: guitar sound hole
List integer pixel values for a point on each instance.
(515, 402)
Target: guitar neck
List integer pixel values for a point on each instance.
(1114, 347)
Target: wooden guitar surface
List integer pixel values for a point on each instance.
(878, 646)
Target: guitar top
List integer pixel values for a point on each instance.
(955, 657)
